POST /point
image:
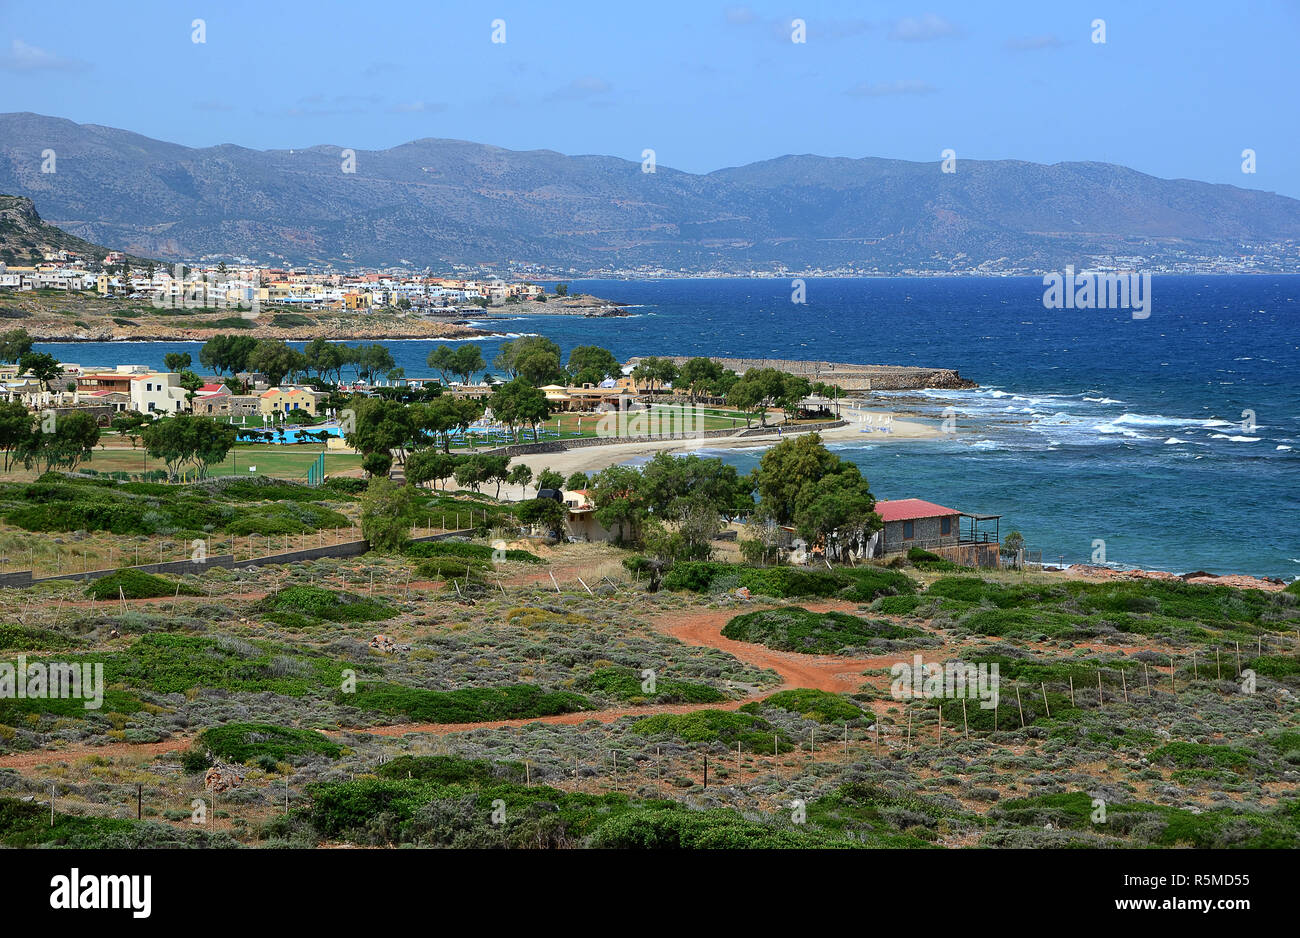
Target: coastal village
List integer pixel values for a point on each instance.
(244, 287)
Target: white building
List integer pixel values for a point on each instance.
(158, 393)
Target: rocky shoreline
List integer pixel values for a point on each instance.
(1200, 577)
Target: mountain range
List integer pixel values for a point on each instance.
(437, 203)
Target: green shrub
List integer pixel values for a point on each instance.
(136, 584)
(246, 742)
(320, 603)
(195, 759)
(27, 638)
(819, 705)
(860, 584)
(170, 663)
(465, 551)
(1160, 825)
(449, 568)
(668, 829)
(897, 605)
(1201, 755)
(468, 705)
(717, 726)
(280, 518)
(345, 485)
(824, 633)
(26, 824)
(625, 684)
(1274, 666)
(290, 320)
(447, 769)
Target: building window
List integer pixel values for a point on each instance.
(909, 530)
(945, 526)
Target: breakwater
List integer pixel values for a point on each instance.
(848, 377)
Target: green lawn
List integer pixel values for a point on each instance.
(289, 461)
(662, 419)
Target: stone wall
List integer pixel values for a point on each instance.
(849, 377)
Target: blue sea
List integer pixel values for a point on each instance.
(1174, 439)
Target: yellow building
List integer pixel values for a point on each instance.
(289, 400)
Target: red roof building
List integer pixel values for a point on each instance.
(909, 509)
(914, 522)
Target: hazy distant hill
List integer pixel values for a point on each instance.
(25, 237)
(433, 202)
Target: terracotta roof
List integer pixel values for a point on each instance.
(908, 509)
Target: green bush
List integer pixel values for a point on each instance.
(1275, 666)
(58, 503)
(819, 705)
(860, 584)
(280, 518)
(448, 769)
(170, 663)
(824, 633)
(457, 811)
(897, 605)
(465, 551)
(1161, 825)
(246, 742)
(716, 726)
(135, 584)
(1201, 755)
(27, 638)
(195, 760)
(449, 568)
(345, 485)
(668, 829)
(26, 824)
(320, 603)
(625, 684)
(468, 705)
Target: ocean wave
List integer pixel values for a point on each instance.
(1234, 439)
(1173, 441)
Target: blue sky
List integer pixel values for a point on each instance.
(1177, 90)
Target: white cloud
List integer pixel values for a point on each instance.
(884, 89)
(23, 57)
(923, 28)
(1029, 43)
(418, 107)
(581, 89)
(740, 16)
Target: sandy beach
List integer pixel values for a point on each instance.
(594, 458)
